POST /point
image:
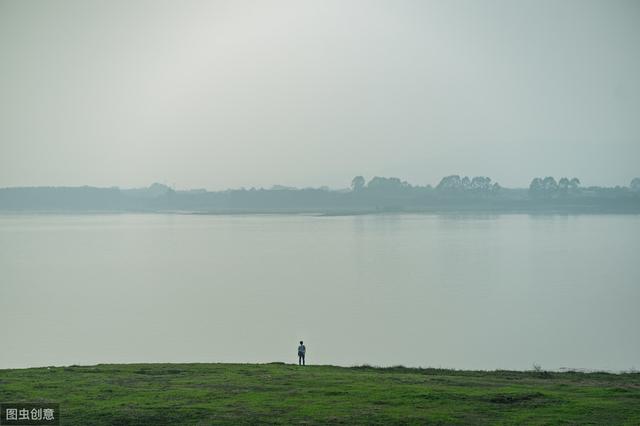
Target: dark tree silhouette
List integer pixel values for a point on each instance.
(549, 185)
(535, 187)
(480, 185)
(574, 183)
(387, 184)
(357, 184)
(451, 183)
(549, 188)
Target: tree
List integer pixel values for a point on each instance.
(574, 183)
(478, 185)
(450, 183)
(568, 186)
(357, 184)
(387, 184)
(481, 184)
(535, 187)
(635, 184)
(543, 188)
(549, 186)
(465, 182)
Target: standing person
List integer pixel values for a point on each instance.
(301, 351)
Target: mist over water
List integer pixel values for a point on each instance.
(462, 291)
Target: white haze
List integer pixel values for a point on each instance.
(221, 94)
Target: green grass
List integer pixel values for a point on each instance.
(184, 394)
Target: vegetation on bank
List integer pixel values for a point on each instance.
(185, 394)
(380, 194)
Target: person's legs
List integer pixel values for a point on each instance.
(303, 359)
(299, 359)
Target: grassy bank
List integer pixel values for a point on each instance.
(159, 394)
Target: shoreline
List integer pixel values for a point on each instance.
(278, 393)
(397, 368)
(335, 213)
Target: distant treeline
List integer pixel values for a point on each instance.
(380, 194)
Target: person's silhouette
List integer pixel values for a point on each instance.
(301, 351)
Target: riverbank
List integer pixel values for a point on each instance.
(140, 394)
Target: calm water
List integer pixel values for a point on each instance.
(420, 290)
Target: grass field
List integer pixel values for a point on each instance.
(183, 394)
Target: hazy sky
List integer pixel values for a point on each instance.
(221, 94)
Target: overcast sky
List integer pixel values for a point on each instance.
(217, 94)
